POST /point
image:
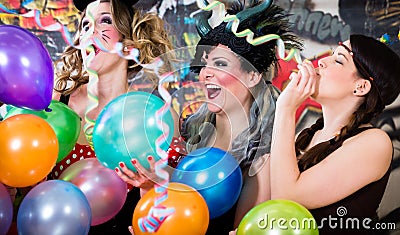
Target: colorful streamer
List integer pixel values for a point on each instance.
(158, 213)
(293, 53)
(93, 77)
(57, 26)
(207, 7)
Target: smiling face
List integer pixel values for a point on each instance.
(104, 34)
(338, 75)
(226, 84)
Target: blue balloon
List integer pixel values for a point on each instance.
(126, 128)
(215, 174)
(6, 210)
(54, 207)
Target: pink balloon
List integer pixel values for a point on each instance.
(105, 191)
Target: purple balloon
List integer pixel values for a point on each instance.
(103, 188)
(6, 210)
(26, 69)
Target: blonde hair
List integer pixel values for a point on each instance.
(144, 31)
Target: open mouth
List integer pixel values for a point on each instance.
(96, 50)
(213, 90)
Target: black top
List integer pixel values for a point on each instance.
(64, 99)
(355, 214)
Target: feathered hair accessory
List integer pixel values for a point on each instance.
(262, 18)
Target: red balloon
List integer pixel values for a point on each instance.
(191, 214)
(28, 150)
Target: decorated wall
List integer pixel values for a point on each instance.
(321, 23)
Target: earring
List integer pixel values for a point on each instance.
(358, 87)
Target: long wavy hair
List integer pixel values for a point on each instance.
(144, 31)
(262, 18)
(252, 142)
(372, 59)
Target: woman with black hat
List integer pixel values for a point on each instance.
(239, 107)
(338, 168)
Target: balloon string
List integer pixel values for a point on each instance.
(293, 53)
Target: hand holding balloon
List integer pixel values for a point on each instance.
(143, 178)
(127, 128)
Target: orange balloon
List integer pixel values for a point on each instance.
(191, 214)
(28, 150)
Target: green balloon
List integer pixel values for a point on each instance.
(278, 217)
(64, 121)
(126, 128)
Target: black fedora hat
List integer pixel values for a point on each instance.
(82, 4)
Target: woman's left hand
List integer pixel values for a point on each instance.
(143, 178)
(301, 86)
